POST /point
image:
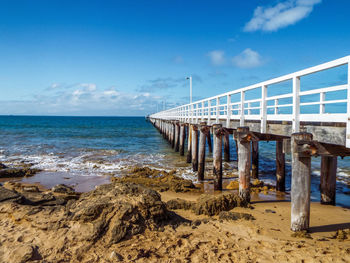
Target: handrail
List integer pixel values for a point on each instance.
(204, 110)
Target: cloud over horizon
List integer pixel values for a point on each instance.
(217, 57)
(248, 58)
(82, 99)
(279, 16)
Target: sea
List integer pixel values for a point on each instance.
(86, 151)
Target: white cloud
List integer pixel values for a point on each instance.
(247, 59)
(217, 57)
(178, 60)
(281, 15)
(84, 99)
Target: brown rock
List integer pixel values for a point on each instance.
(213, 205)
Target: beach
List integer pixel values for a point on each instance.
(126, 222)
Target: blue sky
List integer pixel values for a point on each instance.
(127, 57)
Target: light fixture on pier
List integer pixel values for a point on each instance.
(190, 78)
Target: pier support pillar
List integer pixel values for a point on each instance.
(210, 148)
(244, 162)
(236, 145)
(203, 130)
(177, 136)
(194, 148)
(189, 144)
(182, 139)
(218, 132)
(328, 179)
(167, 132)
(226, 146)
(280, 167)
(172, 139)
(255, 159)
(301, 183)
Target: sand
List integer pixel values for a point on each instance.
(37, 234)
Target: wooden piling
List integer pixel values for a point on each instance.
(301, 182)
(210, 148)
(244, 162)
(217, 156)
(194, 148)
(182, 139)
(172, 135)
(255, 159)
(236, 145)
(328, 179)
(226, 146)
(203, 130)
(189, 144)
(177, 136)
(280, 167)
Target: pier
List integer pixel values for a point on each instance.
(282, 118)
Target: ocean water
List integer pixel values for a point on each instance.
(85, 147)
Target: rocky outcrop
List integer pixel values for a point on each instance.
(116, 211)
(209, 204)
(13, 172)
(158, 180)
(8, 195)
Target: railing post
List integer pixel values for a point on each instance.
(241, 122)
(209, 113)
(228, 118)
(348, 109)
(202, 111)
(217, 109)
(296, 105)
(263, 112)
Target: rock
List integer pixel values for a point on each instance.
(270, 211)
(116, 211)
(301, 234)
(213, 205)
(342, 234)
(62, 188)
(257, 183)
(116, 257)
(7, 195)
(21, 254)
(157, 179)
(233, 185)
(17, 172)
(180, 204)
(235, 216)
(3, 166)
(30, 188)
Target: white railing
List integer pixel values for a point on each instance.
(269, 108)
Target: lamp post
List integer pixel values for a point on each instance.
(190, 78)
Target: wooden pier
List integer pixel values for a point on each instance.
(304, 135)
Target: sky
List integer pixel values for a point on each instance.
(131, 58)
